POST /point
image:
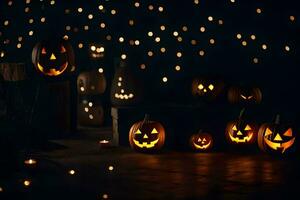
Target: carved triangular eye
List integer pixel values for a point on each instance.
(288, 133)
(268, 132)
(44, 51)
(138, 132)
(234, 128)
(243, 96)
(204, 140)
(248, 128)
(154, 131)
(199, 140)
(200, 87)
(250, 97)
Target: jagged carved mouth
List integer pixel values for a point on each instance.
(53, 71)
(202, 146)
(243, 140)
(276, 146)
(146, 144)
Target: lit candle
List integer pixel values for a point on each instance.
(30, 162)
(104, 143)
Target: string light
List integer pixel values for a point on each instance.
(264, 46)
(258, 11)
(201, 53)
(292, 18)
(253, 37)
(202, 29)
(238, 36)
(287, 48)
(177, 68)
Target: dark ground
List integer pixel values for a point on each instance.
(168, 175)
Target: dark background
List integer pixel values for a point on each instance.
(276, 73)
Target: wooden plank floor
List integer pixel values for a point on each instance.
(120, 173)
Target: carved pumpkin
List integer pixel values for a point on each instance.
(96, 51)
(207, 87)
(90, 115)
(241, 131)
(201, 141)
(91, 83)
(275, 137)
(244, 95)
(125, 90)
(147, 136)
(53, 58)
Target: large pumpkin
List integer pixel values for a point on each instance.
(241, 131)
(147, 136)
(244, 95)
(53, 57)
(275, 137)
(207, 87)
(90, 115)
(125, 89)
(201, 141)
(91, 83)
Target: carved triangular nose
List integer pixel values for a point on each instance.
(278, 137)
(239, 133)
(145, 136)
(52, 57)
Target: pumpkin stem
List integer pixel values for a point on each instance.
(277, 119)
(242, 113)
(146, 118)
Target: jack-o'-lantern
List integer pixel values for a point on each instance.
(53, 57)
(207, 87)
(245, 95)
(89, 114)
(125, 89)
(275, 137)
(91, 83)
(147, 136)
(96, 51)
(241, 131)
(201, 141)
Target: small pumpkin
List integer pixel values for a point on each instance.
(90, 115)
(125, 89)
(53, 57)
(241, 131)
(147, 136)
(201, 141)
(275, 137)
(207, 87)
(91, 83)
(244, 95)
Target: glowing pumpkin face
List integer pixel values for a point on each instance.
(241, 132)
(96, 51)
(201, 141)
(207, 87)
(147, 136)
(275, 138)
(244, 95)
(53, 58)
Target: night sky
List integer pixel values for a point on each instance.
(167, 43)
